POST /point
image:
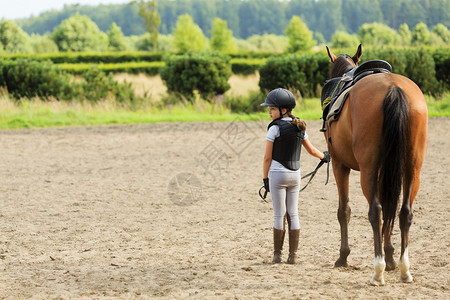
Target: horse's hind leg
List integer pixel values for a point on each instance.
(388, 248)
(341, 174)
(369, 187)
(410, 191)
(411, 183)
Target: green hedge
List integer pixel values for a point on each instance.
(303, 73)
(253, 55)
(429, 68)
(238, 66)
(151, 68)
(246, 66)
(441, 58)
(416, 64)
(92, 57)
(120, 57)
(306, 73)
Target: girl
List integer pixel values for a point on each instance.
(285, 136)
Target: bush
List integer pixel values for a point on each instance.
(25, 78)
(441, 58)
(28, 78)
(302, 73)
(98, 86)
(205, 72)
(245, 104)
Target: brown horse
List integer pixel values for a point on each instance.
(381, 132)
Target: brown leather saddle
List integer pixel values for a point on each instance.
(335, 87)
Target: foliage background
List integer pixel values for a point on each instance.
(256, 17)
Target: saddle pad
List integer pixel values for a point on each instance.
(336, 107)
(329, 91)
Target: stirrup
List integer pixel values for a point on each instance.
(323, 129)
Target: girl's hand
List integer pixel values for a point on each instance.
(326, 157)
(266, 184)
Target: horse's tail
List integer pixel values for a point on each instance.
(393, 152)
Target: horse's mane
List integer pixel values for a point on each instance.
(340, 66)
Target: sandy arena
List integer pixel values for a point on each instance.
(106, 212)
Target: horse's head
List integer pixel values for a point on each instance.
(343, 63)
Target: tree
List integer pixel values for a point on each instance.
(420, 35)
(149, 13)
(228, 11)
(269, 42)
(42, 44)
(165, 43)
(411, 12)
(405, 34)
(377, 34)
(188, 35)
(221, 37)
(116, 40)
(299, 36)
(144, 43)
(245, 45)
(391, 10)
(250, 17)
(328, 17)
(249, 13)
(271, 18)
(343, 39)
(204, 13)
(12, 38)
(357, 12)
(442, 32)
(79, 33)
(438, 12)
(319, 38)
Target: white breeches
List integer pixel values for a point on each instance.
(284, 190)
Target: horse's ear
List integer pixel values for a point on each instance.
(357, 55)
(331, 55)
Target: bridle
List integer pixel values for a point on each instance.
(350, 60)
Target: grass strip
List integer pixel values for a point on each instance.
(41, 114)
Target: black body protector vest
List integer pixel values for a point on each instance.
(287, 147)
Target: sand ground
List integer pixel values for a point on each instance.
(172, 211)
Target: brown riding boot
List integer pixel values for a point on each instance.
(293, 245)
(278, 239)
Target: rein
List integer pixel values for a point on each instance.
(310, 174)
(265, 194)
(313, 173)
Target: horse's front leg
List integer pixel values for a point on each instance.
(369, 187)
(341, 174)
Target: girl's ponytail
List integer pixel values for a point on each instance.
(301, 124)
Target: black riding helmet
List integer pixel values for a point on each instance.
(281, 98)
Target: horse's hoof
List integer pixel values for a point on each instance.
(377, 281)
(407, 278)
(340, 263)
